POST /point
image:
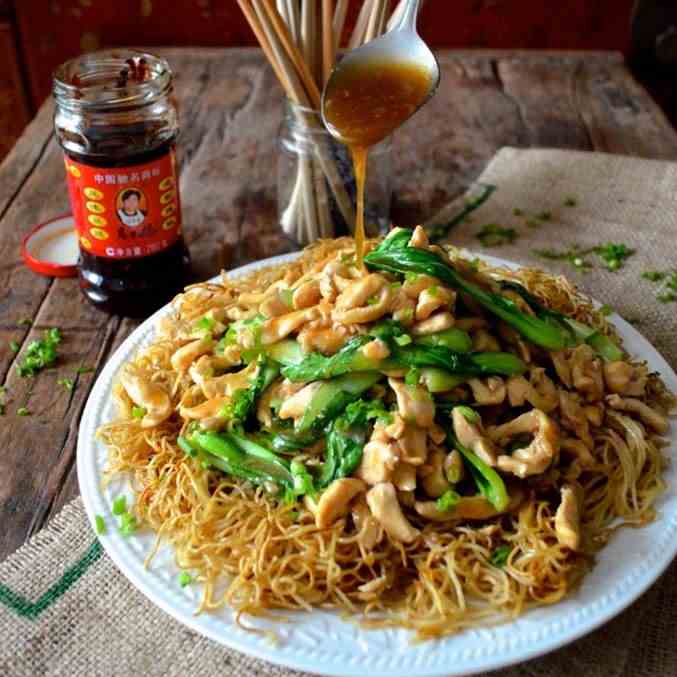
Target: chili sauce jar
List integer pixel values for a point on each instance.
(117, 124)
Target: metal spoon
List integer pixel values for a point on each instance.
(401, 44)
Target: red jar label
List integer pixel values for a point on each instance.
(125, 212)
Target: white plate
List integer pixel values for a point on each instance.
(320, 641)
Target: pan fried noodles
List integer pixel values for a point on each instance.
(428, 443)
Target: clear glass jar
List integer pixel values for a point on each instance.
(117, 124)
(316, 183)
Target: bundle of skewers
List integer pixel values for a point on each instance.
(301, 40)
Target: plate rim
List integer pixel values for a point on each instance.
(643, 575)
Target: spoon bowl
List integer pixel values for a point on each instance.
(400, 46)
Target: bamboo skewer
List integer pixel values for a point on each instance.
(383, 18)
(262, 11)
(327, 39)
(283, 11)
(300, 39)
(339, 22)
(374, 18)
(308, 35)
(295, 55)
(396, 15)
(294, 20)
(360, 25)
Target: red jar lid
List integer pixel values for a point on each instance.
(51, 248)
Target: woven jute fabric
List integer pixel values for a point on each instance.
(66, 610)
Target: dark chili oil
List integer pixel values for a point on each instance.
(132, 287)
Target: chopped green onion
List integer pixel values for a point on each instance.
(138, 412)
(84, 370)
(23, 411)
(403, 340)
(25, 322)
(100, 525)
(120, 505)
(185, 579)
(606, 310)
(205, 323)
(372, 300)
(395, 285)
(40, 354)
(493, 235)
(407, 314)
(67, 383)
(499, 557)
(667, 297)
(412, 377)
(411, 277)
(574, 256)
(672, 282)
(14, 346)
(613, 254)
(128, 524)
(434, 290)
(447, 501)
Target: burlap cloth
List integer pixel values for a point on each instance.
(66, 610)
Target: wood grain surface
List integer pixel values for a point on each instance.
(230, 110)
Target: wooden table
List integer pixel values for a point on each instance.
(230, 107)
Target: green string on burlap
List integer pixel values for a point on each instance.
(23, 607)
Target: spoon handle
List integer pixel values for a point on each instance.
(408, 17)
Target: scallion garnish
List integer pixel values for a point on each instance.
(613, 254)
(100, 525)
(493, 235)
(128, 524)
(205, 323)
(185, 579)
(120, 505)
(447, 501)
(40, 354)
(67, 383)
(499, 557)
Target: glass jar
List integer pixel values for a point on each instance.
(117, 124)
(316, 182)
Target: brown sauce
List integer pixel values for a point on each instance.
(363, 106)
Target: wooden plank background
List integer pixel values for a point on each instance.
(230, 109)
